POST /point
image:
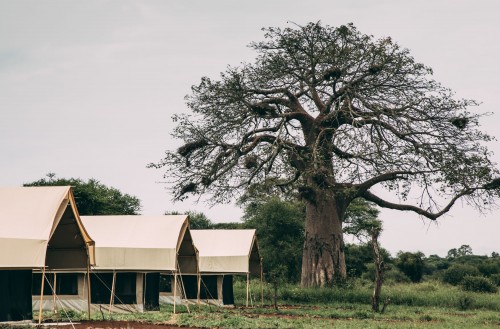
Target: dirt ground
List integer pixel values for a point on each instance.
(117, 325)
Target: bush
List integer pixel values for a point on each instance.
(411, 264)
(495, 278)
(455, 273)
(478, 284)
(465, 302)
(394, 275)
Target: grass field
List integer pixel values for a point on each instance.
(424, 305)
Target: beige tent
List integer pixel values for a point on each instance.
(135, 250)
(40, 229)
(227, 251)
(223, 253)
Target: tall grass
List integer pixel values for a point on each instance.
(428, 294)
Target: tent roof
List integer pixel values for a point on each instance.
(132, 242)
(227, 251)
(29, 217)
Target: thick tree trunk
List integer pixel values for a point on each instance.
(323, 259)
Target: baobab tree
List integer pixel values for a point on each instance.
(334, 115)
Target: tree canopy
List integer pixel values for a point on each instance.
(334, 115)
(381, 117)
(93, 197)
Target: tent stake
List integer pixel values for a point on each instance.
(41, 297)
(112, 297)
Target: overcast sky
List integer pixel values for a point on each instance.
(88, 88)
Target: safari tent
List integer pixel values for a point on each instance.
(222, 254)
(131, 252)
(40, 230)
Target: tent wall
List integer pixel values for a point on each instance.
(76, 302)
(214, 290)
(15, 295)
(135, 292)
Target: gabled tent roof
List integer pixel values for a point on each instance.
(34, 226)
(139, 243)
(227, 251)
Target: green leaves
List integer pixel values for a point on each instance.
(93, 197)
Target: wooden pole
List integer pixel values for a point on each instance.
(175, 289)
(145, 285)
(198, 276)
(261, 285)
(112, 297)
(248, 286)
(88, 284)
(54, 287)
(41, 297)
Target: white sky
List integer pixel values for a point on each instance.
(87, 88)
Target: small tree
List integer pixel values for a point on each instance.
(363, 222)
(94, 198)
(280, 230)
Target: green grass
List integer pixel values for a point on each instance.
(424, 305)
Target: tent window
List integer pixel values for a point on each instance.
(125, 288)
(208, 289)
(66, 284)
(125, 291)
(165, 283)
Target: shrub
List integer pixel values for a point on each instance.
(455, 273)
(495, 278)
(394, 275)
(411, 264)
(478, 284)
(465, 302)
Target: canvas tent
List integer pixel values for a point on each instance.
(40, 229)
(222, 254)
(131, 252)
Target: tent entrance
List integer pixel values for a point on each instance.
(227, 290)
(15, 295)
(151, 290)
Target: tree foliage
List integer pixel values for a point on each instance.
(457, 272)
(318, 93)
(94, 198)
(463, 250)
(197, 220)
(280, 232)
(411, 264)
